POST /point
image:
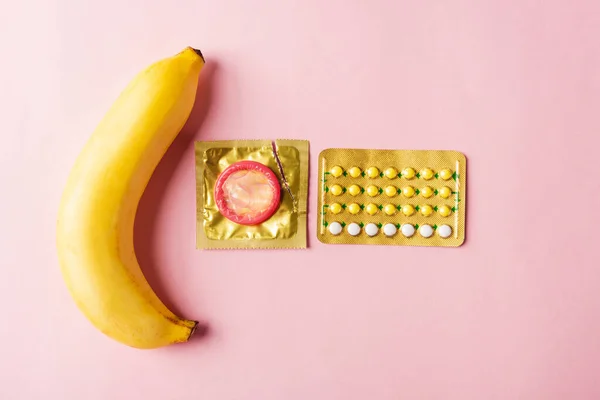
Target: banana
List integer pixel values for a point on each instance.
(99, 203)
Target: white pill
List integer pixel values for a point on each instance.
(389, 230)
(353, 229)
(426, 231)
(445, 231)
(371, 229)
(335, 228)
(408, 230)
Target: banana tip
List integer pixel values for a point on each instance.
(199, 53)
(193, 330)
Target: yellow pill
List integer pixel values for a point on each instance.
(445, 192)
(427, 173)
(372, 190)
(427, 192)
(336, 171)
(426, 210)
(336, 190)
(373, 172)
(391, 173)
(408, 173)
(354, 172)
(445, 174)
(354, 190)
(389, 209)
(408, 191)
(408, 210)
(353, 208)
(371, 209)
(444, 211)
(391, 191)
(335, 208)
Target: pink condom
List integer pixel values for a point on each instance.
(247, 193)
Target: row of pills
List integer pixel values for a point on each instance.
(390, 230)
(391, 173)
(390, 191)
(390, 209)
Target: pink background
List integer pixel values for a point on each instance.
(513, 314)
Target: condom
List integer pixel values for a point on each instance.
(251, 194)
(247, 192)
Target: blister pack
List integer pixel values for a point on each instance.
(392, 197)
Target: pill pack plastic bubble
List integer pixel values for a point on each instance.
(392, 197)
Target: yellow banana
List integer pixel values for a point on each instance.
(97, 211)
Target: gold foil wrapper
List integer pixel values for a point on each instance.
(286, 228)
(436, 160)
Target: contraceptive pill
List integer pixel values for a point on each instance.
(353, 229)
(408, 230)
(371, 229)
(391, 173)
(335, 228)
(408, 173)
(390, 230)
(446, 174)
(426, 231)
(445, 231)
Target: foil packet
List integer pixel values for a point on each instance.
(251, 194)
(392, 197)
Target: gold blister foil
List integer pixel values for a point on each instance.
(399, 159)
(286, 228)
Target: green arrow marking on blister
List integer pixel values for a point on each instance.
(345, 173)
(343, 224)
(381, 174)
(362, 174)
(454, 209)
(418, 175)
(434, 227)
(455, 175)
(397, 226)
(435, 192)
(326, 189)
(417, 191)
(399, 174)
(398, 207)
(362, 189)
(399, 191)
(436, 175)
(435, 208)
(325, 224)
(380, 207)
(416, 226)
(379, 225)
(362, 206)
(380, 190)
(417, 208)
(343, 190)
(361, 225)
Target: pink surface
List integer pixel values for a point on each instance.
(513, 314)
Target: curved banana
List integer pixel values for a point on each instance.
(99, 203)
